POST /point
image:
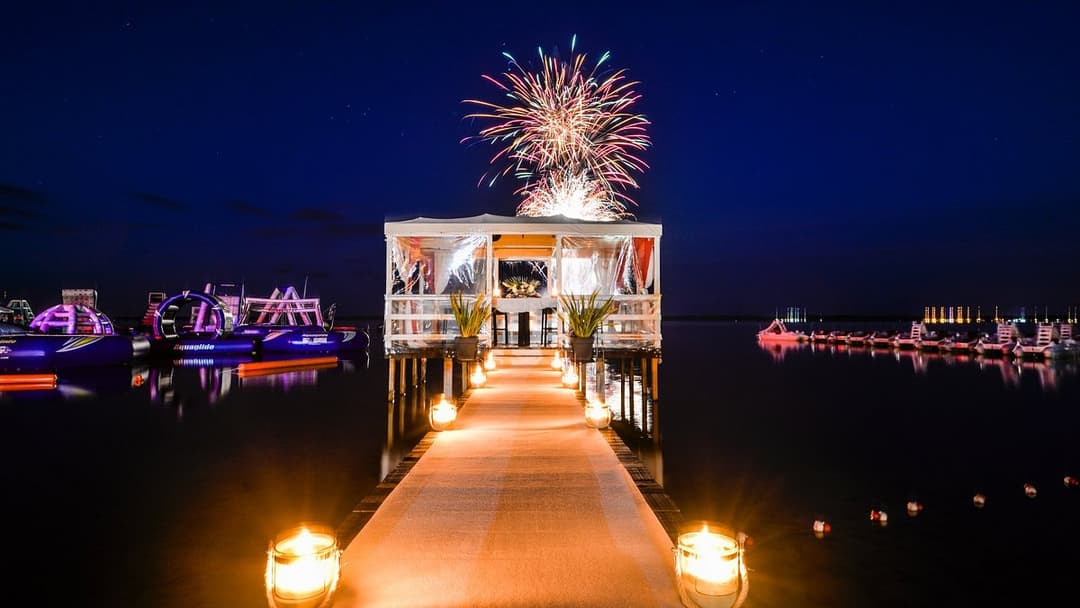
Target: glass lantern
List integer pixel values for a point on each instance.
(302, 567)
(710, 570)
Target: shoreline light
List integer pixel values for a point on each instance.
(302, 567)
(709, 569)
(442, 415)
(556, 361)
(478, 377)
(570, 377)
(598, 415)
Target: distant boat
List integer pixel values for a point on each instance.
(1065, 332)
(17, 312)
(930, 340)
(1001, 343)
(1045, 344)
(960, 342)
(858, 338)
(912, 338)
(882, 338)
(778, 332)
(838, 336)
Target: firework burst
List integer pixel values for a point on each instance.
(568, 133)
(570, 195)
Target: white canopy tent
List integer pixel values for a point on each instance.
(427, 259)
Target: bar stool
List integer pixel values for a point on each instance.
(495, 313)
(547, 328)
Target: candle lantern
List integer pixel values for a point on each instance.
(570, 377)
(442, 415)
(302, 567)
(556, 361)
(478, 377)
(597, 415)
(710, 570)
(489, 361)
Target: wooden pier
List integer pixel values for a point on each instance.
(519, 504)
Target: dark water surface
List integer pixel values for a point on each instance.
(161, 487)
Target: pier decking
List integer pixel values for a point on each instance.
(519, 504)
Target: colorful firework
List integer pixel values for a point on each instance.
(565, 130)
(574, 196)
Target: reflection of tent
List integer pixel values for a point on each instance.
(429, 258)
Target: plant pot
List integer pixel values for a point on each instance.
(582, 348)
(465, 348)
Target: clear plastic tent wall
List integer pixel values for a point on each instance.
(439, 265)
(424, 272)
(610, 265)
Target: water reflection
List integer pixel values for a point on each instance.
(1011, 370)
(631, 388)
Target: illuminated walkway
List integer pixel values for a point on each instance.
(519, 504)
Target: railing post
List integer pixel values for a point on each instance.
(390, 375)
(448, 377)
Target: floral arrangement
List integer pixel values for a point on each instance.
(520, 287)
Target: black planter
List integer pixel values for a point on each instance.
(465, 348)
(582, 348)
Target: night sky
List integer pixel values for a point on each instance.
(849, 159)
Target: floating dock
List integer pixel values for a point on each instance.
(518, 504)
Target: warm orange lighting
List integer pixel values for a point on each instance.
(25, 379)
(443, 414)
(556, 361)
(710, 570)
(821, 528)
(489, 361)
(263, 368)
(302, 567)
(478, 377)
(597, 415)
(979, 500)
(570, 377)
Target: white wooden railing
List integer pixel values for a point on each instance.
(427, 321)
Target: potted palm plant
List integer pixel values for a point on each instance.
(583, 315)
(470, 317)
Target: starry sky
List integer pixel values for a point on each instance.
(849, 158)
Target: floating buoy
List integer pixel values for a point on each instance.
(914, 507)
(821, 528)
(1029, 490)
(979, 500)
(1071, 482)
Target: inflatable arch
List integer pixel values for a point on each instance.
(213, 315)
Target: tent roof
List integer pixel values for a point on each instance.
(499, 224)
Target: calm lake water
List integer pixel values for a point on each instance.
(162, 486)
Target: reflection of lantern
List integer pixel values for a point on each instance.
(489, 361)
(556, 361)
(442, 415)
(597, 415)
(570, 377)
(478, 378)
(710, 570)
(302, 567)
